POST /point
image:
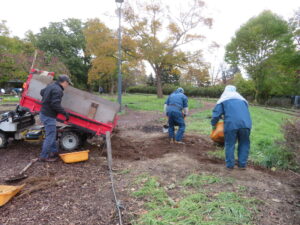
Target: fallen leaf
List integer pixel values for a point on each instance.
(275, 200)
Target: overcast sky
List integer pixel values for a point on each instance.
(228, 15)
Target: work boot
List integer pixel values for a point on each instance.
(242, 168)
(47, 159)
(172, 141)
(53, 155)
(179, 142)
(229, 168)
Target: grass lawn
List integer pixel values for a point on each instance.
(265, 136)
(266, 132)
(7, 99)
(197, 202)
(148, 102)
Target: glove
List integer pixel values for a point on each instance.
(67, 116)
(214, 127)
(184, 115)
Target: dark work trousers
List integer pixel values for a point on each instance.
(176, 119)
(243, 137)
(49, 144)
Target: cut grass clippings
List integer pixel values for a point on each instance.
(197, 206)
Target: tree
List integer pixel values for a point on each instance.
(197, 71)
(294, 23)
(133, 73)
(148, 22)
(282, 78)
(4, 31)
(254, 43)
(151, 80)
(228, 72)
(170, 75)
(245, 87)
(102, 46)
(16, 57)
(66, 41)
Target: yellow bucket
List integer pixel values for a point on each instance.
(7, 192)
(73, 157)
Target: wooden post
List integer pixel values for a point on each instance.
(109, 151)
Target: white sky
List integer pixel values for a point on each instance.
(229, 15)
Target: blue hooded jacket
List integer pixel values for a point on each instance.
(234, 108)
(236, 114)
(177, 101)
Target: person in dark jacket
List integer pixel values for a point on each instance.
(176, 108)
(51, 106)
(237, 125)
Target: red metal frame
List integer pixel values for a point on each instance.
(76, 119)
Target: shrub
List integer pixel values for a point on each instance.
(211, 92)
(291, 130)
(279, 101)
(142, 89)
(244, 87)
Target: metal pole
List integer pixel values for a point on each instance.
(120, 60)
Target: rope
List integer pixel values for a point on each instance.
(109, 161)
(118, 203)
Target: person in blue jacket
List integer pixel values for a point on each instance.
(176, 108)
(237, 125)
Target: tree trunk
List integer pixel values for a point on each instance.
(159, 84)
(112, 88)
(256, 96)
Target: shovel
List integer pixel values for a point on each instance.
(21, 175)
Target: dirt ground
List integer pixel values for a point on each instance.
(7, 107)
(58, 193)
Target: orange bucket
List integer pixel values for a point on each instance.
(74, 157)
(7, 192)
(217, 135)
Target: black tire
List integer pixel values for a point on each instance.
(3, 140)
(83, 139)
(69, 140)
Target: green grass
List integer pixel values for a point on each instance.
(8, 99)
(151, 190)
(148, 102)
(205, 207)
(265, 136)
(196, 180)
(125, 171)
(199, 122)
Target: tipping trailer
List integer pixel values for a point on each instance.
(89, 114)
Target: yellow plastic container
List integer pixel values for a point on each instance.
(74, 157)
(7, 192)
(217, 135)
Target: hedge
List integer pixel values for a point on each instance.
(211, 92)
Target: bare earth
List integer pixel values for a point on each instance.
(58, 193)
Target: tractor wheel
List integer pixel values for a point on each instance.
(69, 140)
(3, 140)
